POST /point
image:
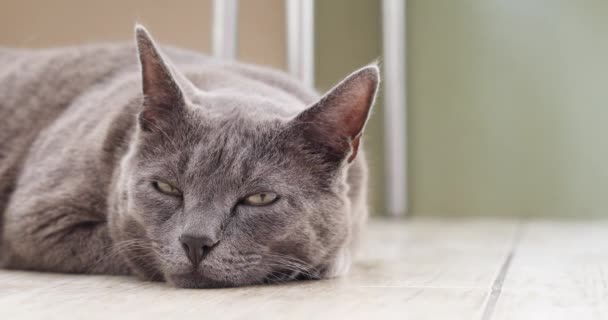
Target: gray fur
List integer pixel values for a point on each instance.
(80, 147)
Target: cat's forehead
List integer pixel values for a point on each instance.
(235, 149)
(238, 135)
(230, 103)
(230, 131)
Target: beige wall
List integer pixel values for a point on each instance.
(185, 23)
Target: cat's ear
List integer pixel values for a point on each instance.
(162, 93)
(336, 121)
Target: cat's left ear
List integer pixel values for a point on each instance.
(336, 121)
(162, 93)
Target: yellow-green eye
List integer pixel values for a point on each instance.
(167, 188)
(260, 199)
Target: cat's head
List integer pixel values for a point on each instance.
(211, 198)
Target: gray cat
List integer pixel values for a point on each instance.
(178, 168)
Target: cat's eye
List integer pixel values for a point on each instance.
(166, 188)
(260, 199)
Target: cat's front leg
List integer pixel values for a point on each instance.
(60, 239)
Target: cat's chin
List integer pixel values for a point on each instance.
(197, 281)
(201, 281)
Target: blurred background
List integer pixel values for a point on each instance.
(506, 99)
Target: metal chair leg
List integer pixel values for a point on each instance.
(395, 108)
(225, 28)
(300, 40)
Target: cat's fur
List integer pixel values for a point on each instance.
(80, 147)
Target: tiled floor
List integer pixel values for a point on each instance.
(415, 269)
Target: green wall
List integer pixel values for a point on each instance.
(508, 102)
(508, 107)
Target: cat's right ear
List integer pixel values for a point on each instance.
(162, 93)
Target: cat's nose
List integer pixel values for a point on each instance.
(196, 247)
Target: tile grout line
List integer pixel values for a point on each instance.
(496, 290)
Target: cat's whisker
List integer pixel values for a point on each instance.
(293, 264)
(293, 259)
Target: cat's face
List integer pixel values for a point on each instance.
(218, 173)
(232, 199)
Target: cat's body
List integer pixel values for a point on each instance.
(68, 134)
